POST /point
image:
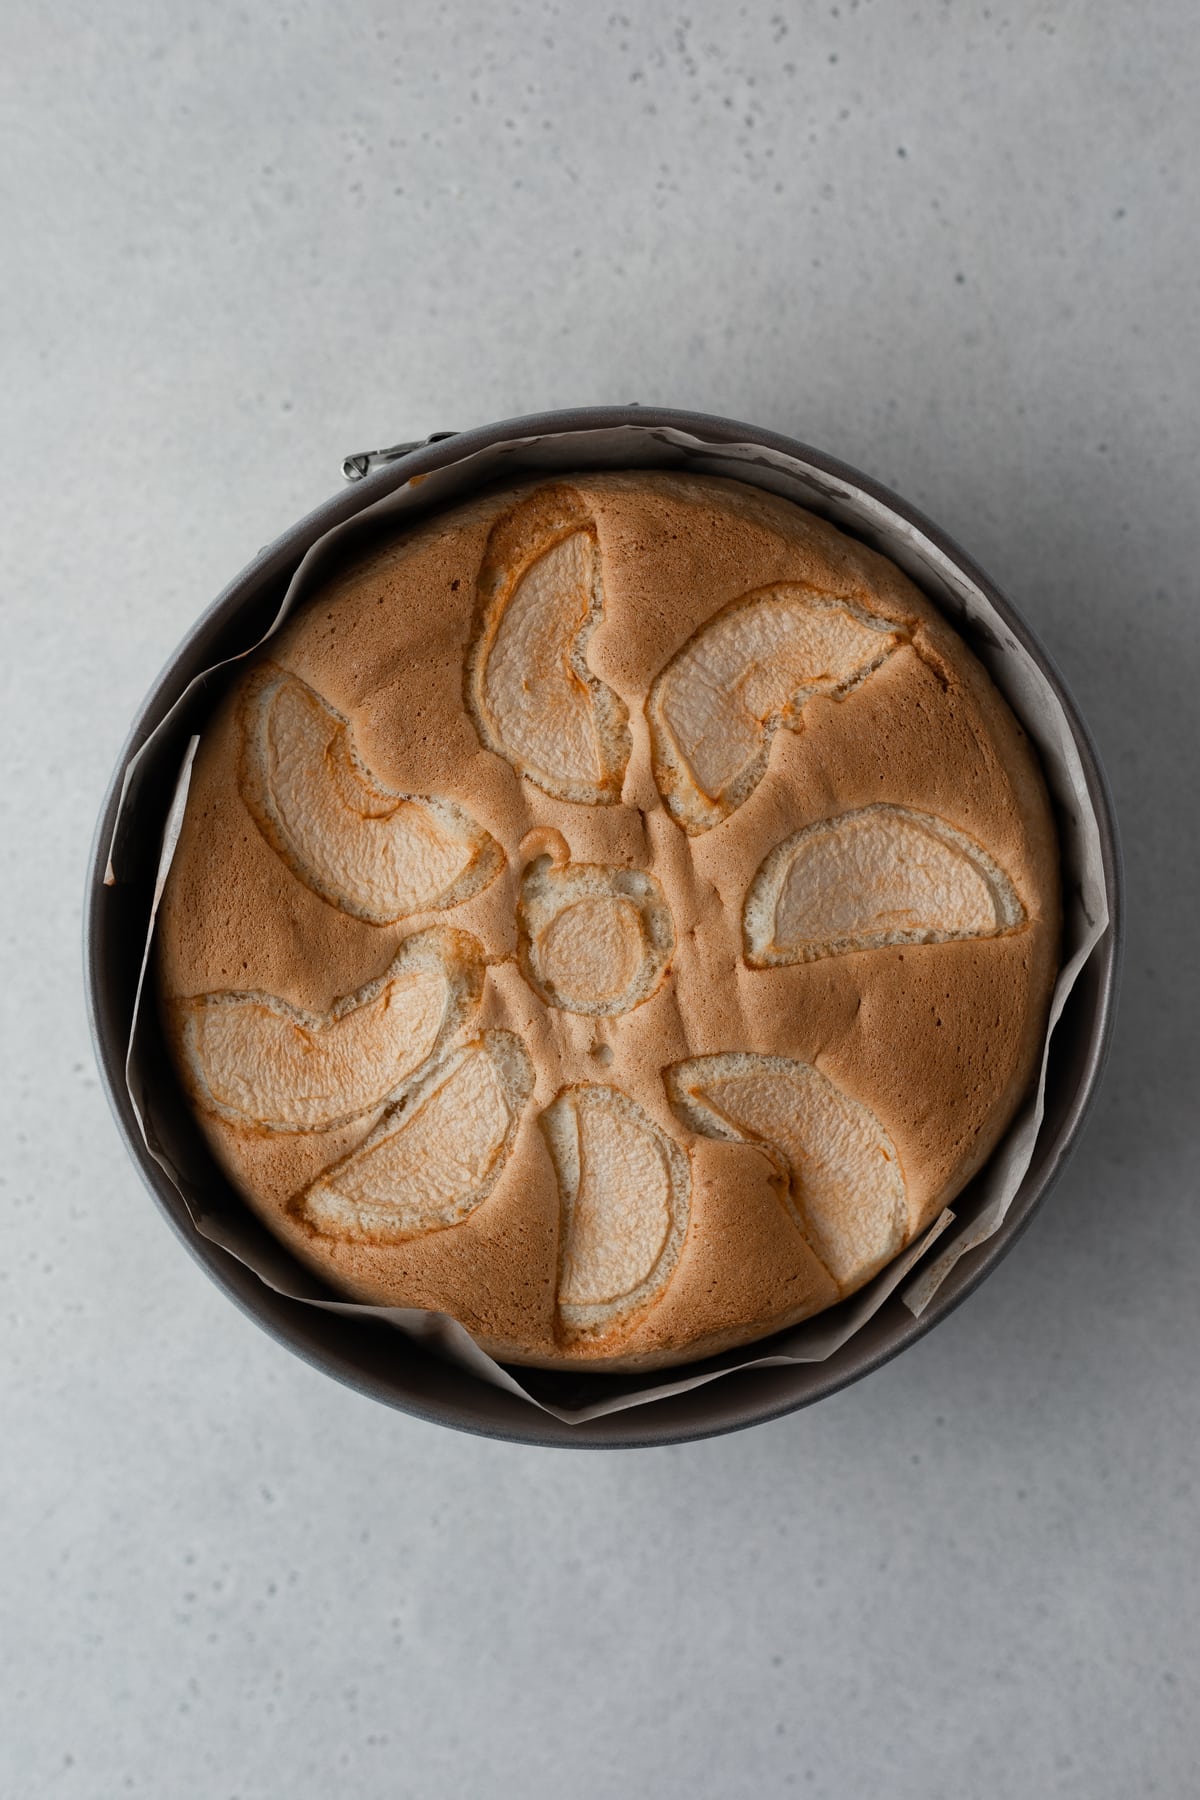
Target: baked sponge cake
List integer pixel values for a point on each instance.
(619, 912)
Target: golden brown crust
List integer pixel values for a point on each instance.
(938, 1040)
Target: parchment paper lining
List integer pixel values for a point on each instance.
(1085, 902)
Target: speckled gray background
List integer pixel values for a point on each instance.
(954, 244)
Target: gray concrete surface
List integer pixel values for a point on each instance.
(956, 245)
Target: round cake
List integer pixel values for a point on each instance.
(619, 912)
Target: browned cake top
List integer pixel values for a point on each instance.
(620, 913)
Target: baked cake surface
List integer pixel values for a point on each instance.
(621, 913)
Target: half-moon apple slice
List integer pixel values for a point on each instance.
(593, 939)
(436, 1154)
(370, 851)
(624, 1188)
(838, 1172)
(882, 875)
(528, 686)
(259, 1062)
(715, 707)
